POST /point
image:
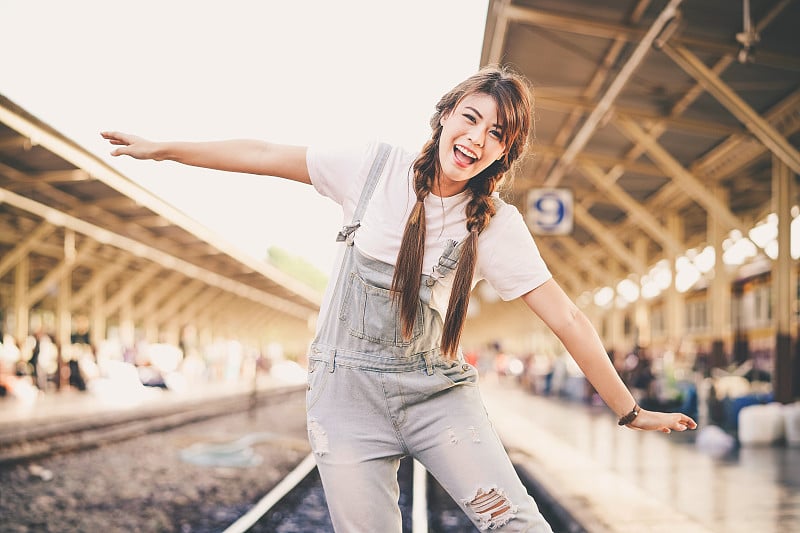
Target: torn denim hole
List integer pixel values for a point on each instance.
(492, 507)
(473, 431)
(318, 437)
(452, 435)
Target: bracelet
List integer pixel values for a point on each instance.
(627, 419)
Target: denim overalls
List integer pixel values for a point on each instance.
(374, 398)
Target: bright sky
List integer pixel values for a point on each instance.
(297, 72)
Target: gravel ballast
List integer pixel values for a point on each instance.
(195, 478)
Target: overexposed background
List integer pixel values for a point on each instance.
(297, 72)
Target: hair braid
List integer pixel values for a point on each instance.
(407, 277)
(480, 210)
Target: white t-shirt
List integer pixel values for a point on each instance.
(508, 258)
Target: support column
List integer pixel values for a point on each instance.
(616, 317)
(785, 380)
(21, 308)
(5, 311)
(97, 322)
(127, 327)
(674, 310)
(63, 328)
(151, 332)
(641, 312)
(719, 291)
(63, 325)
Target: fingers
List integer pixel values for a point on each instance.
(111, 136)
(116, 138)
(687, 422)
(663, 422)
(683, 423)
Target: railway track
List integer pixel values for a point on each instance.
(56, 462)
(297, 505)
(33, 441)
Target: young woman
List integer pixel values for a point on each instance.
(386, 375)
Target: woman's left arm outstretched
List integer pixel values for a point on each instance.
(581, 340)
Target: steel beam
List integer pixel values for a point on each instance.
(688, 183)
(606, 182)
(598, 114)
(757, 125)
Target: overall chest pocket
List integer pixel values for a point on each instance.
(370, 314)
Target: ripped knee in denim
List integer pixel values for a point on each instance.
(492, 507)
(318, 437)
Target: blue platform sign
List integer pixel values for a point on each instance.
(550, 211)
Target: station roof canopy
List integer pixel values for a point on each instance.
(56, 195)
(646, 108)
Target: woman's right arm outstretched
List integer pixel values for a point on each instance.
(237, 155)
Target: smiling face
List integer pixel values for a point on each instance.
(471, 140)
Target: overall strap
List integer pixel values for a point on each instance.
(347, 232)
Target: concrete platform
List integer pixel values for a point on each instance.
(617, 480)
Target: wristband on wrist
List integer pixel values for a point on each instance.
(627, 419)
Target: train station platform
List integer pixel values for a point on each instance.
(600, 477)
(609, 479)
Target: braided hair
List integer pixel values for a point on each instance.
(514, 101)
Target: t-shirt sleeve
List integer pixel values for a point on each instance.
(511, 262)
(339, 172)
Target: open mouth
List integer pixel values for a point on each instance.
(464, 156)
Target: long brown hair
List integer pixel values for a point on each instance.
(514, 101)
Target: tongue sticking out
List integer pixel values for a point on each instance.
(463, 158)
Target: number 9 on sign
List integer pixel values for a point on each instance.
(549, 211)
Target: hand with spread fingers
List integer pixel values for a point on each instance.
(131, 145)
